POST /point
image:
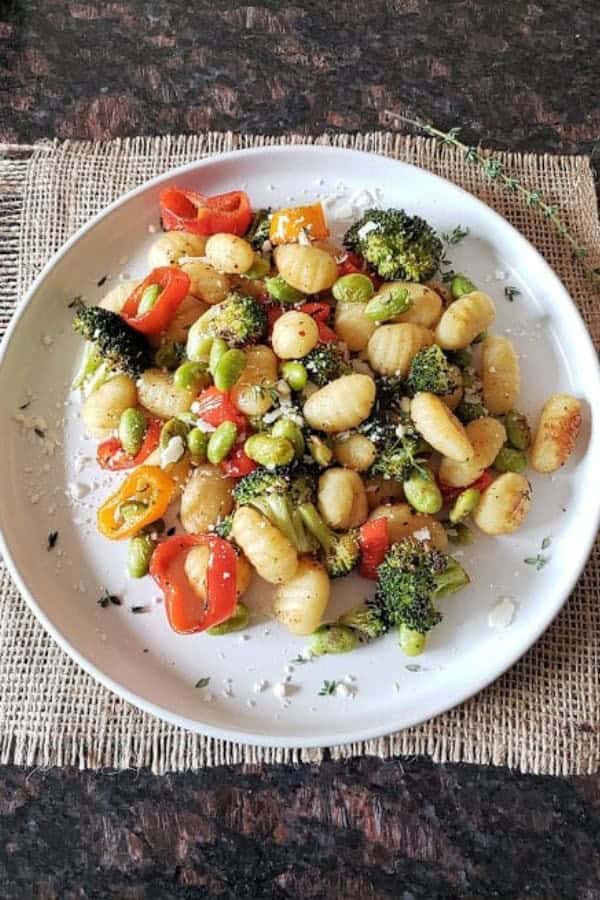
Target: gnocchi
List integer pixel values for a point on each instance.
(464, 320)
(306, 268)
(404, 522)
(391, 348)
(160, 396)
(114, 301)
(440, 427)
(301, 601)
(294, 335)
(503, 505)
(342, 498)
(252, 393)
(486, 436)
(206, 283)
(270, 552)
(556, 434)
(196, 566)
(355, 452)
(189, 311)
(352, 325)
(229, 254)
(500, 374)
(426, 305)
(170, 247)
(102, 409)
(206, 499)
(341, 404)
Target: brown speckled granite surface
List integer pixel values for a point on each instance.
(522, 75)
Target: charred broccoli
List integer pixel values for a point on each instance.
(396, 245)
(399, 449)
(325, 363)
(340, 551)
(277, 495)
(112, 343)
(366, 619)
(258, 232)
(430, 371)
(411, 578)
(238, 320)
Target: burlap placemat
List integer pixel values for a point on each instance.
(543, 716)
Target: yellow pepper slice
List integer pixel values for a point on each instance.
(288, 223)
(142, 498)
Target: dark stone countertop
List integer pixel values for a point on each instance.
(520, 75)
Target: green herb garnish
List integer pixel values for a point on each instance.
(328, 688)
(456, 235)
(203, 682)
(510, 292)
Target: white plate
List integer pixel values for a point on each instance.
(463, 655)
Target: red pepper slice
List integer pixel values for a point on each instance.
(320, 313)
(374, 540)
(110, 453)
(175, 286)
(450, 493)
(215, 407)
(186, 612)
(238, 464)
(183, 210)
(350, 264)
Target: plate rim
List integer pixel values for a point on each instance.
(239, 736)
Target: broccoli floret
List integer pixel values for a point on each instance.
(365, 619)
(258, 232)
(430, 371)
(117, 344)
(238, 320)
(411, 577)
(469, 410)
(325, 363)
(399, 449)
(396, 245)
(340, 551)
(277, 495)
(224, 526)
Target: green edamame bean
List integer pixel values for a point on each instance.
(169, 356)
(285, 428)
(132, 430)
(517, 430)
(237, 622)
(460, 534)
(197, 444)
(259, 268)
(509, 460)
(464, 505)
(353, 288)
(172, 428)
(149, 298)
(460, 285)
(269, 451)
(191, 376)
(422, 493)
(219, 348)
(333, 639)
(281, 291)
(199, 342)
(320, 452)
(295, 374)
(468, 411)
(386, 305)
(411, 642)
(228, 369)
(139, 554)
(461, 358)
(221, 442)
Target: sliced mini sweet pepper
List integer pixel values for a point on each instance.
(172, 287)
(449, 492)
(215, 407)
(288, 224)
(374, 540)
(142, 499)
(184, 210)
(320, 313)
(110, 453)
(186, 611)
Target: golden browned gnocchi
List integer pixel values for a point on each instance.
(464, 320)
(426, 305)
(342, 498)
(504, 504)
(440, 427)
(206, 499)
(196, 567)
(206, 283)
(556, 434)
(189, 311)
(114, 301)
(160, 396)
(352, 325)
(102, 409)
(452, 400)
(301, 601)
(229, 254)
(252, 393)
(382, 490)
(308, 269)
(486, 436)
(355, 451)
(270, 552)
(294, 335)
(342, 404)
(403, 522)
(170, 247)
(392, 348)
(500, 374)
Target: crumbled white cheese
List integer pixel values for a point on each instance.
(152, 229)
(173, 452)
(400, 430)
(267, 246)
(502, 614)
(259, 686)
(250, 702)
(500, 275)
(367, 228)
(423, 534)
(283, 388)
(342, 690)
(280, 689)
(78, 490)
(47, 340)
(183, 260)
(288, 669)
(303, 237)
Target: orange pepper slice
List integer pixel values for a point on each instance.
(288, 223)
(142, 499)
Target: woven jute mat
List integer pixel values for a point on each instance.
(543, 716)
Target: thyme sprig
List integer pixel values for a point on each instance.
(494, 169)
